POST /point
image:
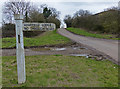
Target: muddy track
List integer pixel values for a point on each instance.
(74, 49)
(103, 46)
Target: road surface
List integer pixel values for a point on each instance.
(108, 47)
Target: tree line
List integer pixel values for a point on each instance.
(32, 13)
(103, 22)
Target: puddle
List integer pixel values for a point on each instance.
(58, 49)
(81, 55)
(41, 49)
(75, 48)
(79, 48)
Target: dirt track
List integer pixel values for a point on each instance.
(69, 49)
(108, 47)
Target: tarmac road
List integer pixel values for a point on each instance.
(108, 47)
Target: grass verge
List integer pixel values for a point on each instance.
(48, 38)
(61, 71)
(0, 72)
(89, 34)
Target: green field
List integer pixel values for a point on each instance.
(90, 34)
(47, 38)
(0, 71)
(61, 71)
(0, 63)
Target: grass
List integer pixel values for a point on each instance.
(48, 38)
(0, 71)
(89, 34)
(61, 71)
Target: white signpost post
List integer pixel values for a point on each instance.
(20, 49)
(20, 26)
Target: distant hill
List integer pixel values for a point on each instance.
(106, 12)
(104, 22)
(109, 20)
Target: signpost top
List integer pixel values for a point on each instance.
(18, 17)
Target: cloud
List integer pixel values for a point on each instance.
(75, 0)
(71, 6)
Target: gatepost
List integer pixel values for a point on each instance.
(20, 49)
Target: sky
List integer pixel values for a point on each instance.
(71, 6)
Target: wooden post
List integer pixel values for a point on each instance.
(20, 49)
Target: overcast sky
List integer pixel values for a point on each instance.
(71, 6)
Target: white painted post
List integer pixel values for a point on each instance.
(119, 5)
(20, 49)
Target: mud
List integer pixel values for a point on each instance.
(72, 49)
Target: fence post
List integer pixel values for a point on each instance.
(20, 49)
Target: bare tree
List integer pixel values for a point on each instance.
(82, 13)
(19, 7)
(36, 16)
(55, 13)
(111, 8)
(68, 20)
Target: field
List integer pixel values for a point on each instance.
(57, 70)
(47, 38)
(90, 34)
(0, 72)
(61, 71)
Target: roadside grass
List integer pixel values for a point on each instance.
(89, 34)
(0, 62)
(0, 71)
(61, 71)
(48, 38)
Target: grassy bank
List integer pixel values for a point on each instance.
(90, 34)
(47, 38)
(0, 61)
(0, 71)
(61, 71)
